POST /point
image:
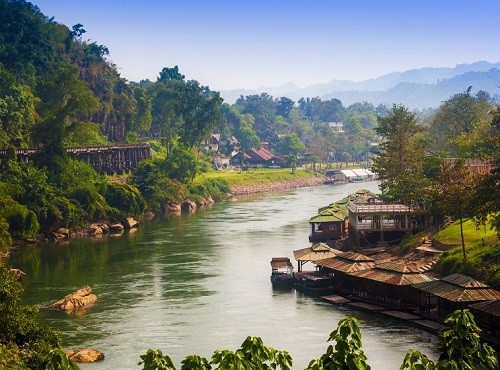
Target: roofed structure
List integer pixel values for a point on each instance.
(389, 283)
(394, 273)
(317, 252)
(381, 218)
(347, 262)
(487, 316)
(331, 222)
(457, 291)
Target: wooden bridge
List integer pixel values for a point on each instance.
(109, 159)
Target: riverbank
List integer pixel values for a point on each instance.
(277, 185)
(187, 206)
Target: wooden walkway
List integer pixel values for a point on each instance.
(336, 299)
(409, 316)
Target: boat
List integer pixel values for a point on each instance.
(314, 282)
(281, 272)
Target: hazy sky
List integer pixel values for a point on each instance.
(230, 44)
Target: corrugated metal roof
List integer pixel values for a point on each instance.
(490, 307)
(456, 293)
(318, 251)
(398, 267)
(349, 173)
(464, 281)
(400, 276)
(333, 213)
(341, 263)
(281, 262)
(360, 172)
(353, 256)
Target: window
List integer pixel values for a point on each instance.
(333, 227)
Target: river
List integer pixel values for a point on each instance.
(196, 283)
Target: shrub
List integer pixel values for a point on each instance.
(22, 222)
(5, 238)
(155, 186)
(125, 198)
(93, 204)
(216, 188)
(23, 339)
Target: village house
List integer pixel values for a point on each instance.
(454, 292)
(380, 223)
(257, 157)
(212, 143)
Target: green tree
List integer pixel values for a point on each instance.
(459, 125)
(184, 111)
(252, 355)
(17, 111)
(155, 185)
(284, 106)
(347, 353)
(453, 192)
(181, 164)
(64, 97)
(399, 164)
(169, 74)
(461, 347)
(22, 338)
(486, 198)
(291, 144)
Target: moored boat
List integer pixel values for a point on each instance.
(281, 272)
(314, 283)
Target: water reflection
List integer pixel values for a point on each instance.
(193, 284)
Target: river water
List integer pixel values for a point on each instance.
(197, 283)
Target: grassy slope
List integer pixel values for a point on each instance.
(482, 250)
(255, 176)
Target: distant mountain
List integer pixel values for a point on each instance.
(416, 88)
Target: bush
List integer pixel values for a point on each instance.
(68, 213)
(73, 173)
(216, 188)
(22, 222)
(5, 238)
(93, 204)
(155, 186)
(22, 338)
(125, 198)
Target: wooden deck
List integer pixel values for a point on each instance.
(401, 315)
(336, 299)
(428, 324)
(366, 306)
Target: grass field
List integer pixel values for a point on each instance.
(482, 249)
(472, 234)
(255, 176)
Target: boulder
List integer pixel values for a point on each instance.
(149, 215)
(95, 229)
(130, 223)
(116, 227)
(63, 231)
(85, 355)
(188, 206)
(81, 298)
(18, 274)
(56, 236)
(172, 207)
(104, 228)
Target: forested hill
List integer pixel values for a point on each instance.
(48, 72)
(416, 88)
